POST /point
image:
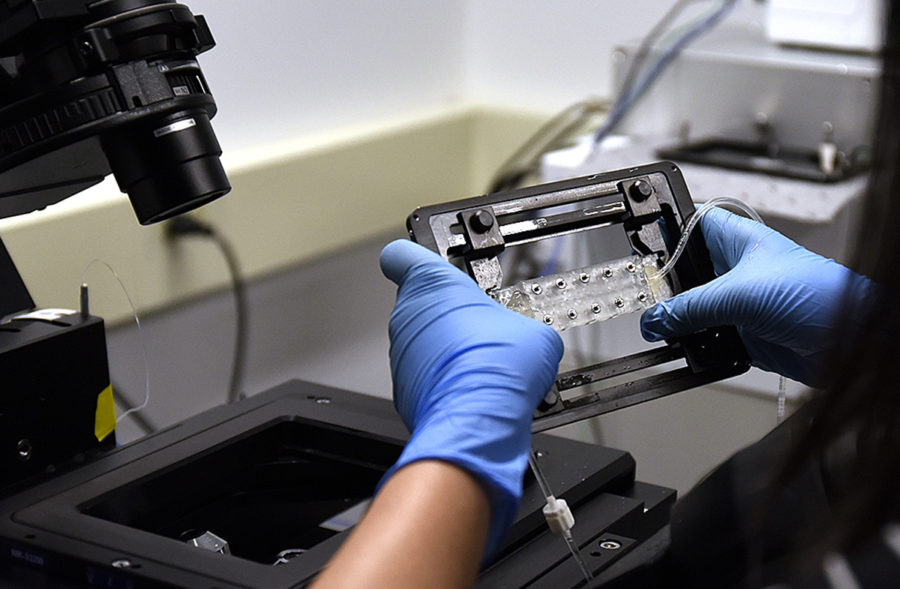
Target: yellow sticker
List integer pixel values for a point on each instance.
(105, 417)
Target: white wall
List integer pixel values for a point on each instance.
(284, 68)
(546, 55)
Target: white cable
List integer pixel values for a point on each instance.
(137, 322)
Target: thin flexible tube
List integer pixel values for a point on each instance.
(577, 557)
(548, 495)
(573, 116)
(679, 249)
(137, 322)
(634, 85)
(654, 36)
(539, 475)
(630, 96)
(695, 219)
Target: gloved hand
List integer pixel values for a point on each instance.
(783, 298)
(468, 374)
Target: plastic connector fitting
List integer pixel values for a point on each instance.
(558, 515)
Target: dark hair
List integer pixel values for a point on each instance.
(862, 398)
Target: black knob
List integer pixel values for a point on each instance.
(482, 221)
(640, 190)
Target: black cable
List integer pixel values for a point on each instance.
(185, 225)
(526, 157)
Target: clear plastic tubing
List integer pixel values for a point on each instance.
(695, 219)
(137, 321)
(570, 541)
(682, 243)
(576, 556)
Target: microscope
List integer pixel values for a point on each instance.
(89, 88)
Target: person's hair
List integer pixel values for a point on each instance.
(862, 397)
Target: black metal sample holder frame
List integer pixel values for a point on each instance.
(651, 204)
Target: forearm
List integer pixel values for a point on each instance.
(426, 528)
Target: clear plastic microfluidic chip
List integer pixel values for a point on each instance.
(590, 294)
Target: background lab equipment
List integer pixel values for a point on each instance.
(788, 128)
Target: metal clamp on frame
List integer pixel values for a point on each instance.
(651, 203)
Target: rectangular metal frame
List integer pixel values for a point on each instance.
(651, 203)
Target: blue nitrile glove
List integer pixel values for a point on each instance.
(468, 374)
(783, 298)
